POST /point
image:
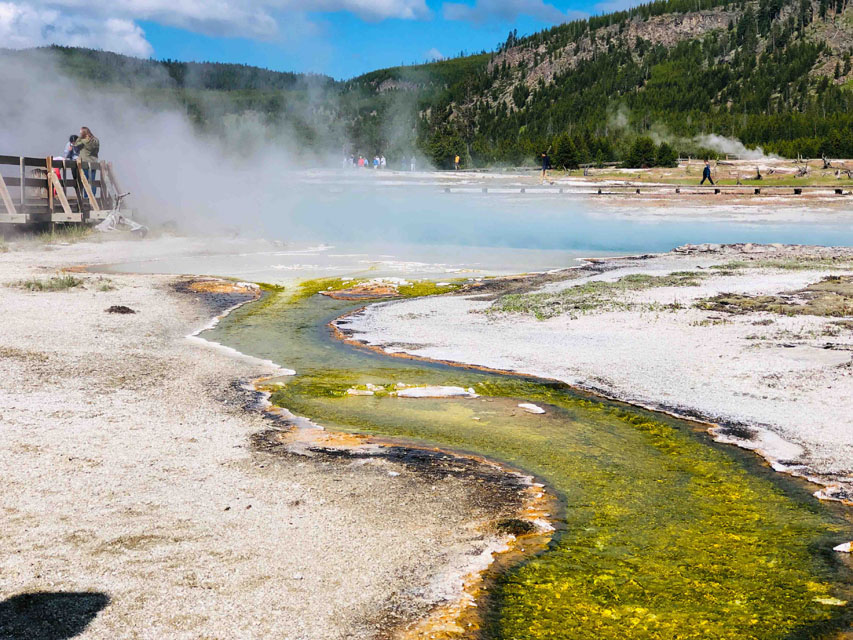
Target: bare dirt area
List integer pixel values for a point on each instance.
(135, 504)
(754, 338)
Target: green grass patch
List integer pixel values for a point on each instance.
(831, 297)
(68, 233)
(57, 283)
(805, 263)
(591, 296)
(104, 285)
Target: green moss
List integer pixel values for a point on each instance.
(665, 536)
(426, 288)
(308, 288)
(662, 534)
(270, 288)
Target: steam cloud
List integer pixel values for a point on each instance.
(733, 146)
(242, 174)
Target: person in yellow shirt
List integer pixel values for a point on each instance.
(456, 162)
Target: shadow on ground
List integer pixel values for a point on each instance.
(49, 616)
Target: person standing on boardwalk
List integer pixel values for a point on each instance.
(70, 152)
(88, 147)
(456, 160)
(706, 174)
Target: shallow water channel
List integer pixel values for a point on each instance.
(662, 533)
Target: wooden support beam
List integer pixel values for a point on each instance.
(106, 197)
(48, 163)
(60, 194)
(92, 202)
(23, 188)
(7, 199)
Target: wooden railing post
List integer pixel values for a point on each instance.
(48, 163)
(23, 187)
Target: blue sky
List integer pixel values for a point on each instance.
(344, 45)
(341, 38)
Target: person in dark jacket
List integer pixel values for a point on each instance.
(706, 174)
(546, 165)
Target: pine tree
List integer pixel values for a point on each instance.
(565, 154)
(665, 156)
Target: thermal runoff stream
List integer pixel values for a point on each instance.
(661, 532)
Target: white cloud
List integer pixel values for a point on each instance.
(22, 25)
(372, 9)
(611, 6)
(433, 54)
(506, 11)
(255, 19)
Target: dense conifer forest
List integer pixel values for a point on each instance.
(640, 87)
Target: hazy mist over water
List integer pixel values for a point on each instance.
(367, 223)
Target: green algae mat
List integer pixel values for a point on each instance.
(663, 534)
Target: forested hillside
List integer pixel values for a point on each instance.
(771, 73)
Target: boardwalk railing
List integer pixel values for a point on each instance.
(55, 190)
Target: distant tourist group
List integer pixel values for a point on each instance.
(378, 162)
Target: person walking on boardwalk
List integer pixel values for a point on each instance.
(456, 160)
(706, 174)
(546, 165)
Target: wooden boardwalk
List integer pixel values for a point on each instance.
(41, 190)
(593, 188)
